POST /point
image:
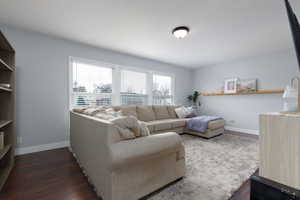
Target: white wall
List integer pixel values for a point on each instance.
(42, 82)
(272, 72)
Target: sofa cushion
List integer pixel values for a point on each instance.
(178, 123)
(145, 113)
(159, 125)
(162, 125)
(161, 112)
(127, 110)
(166, 124)
(216, 124)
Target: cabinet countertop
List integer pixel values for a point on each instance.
(283, 114)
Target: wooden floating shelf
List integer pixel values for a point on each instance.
(4, 123)
(5, 66)
(242, 93)
(4, 151)
(4, 89)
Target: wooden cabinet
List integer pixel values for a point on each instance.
(280, 148)
(7, 108)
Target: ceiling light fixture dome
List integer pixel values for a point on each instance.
(180, 32)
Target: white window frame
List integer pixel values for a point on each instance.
(116, 79)
(91, 62)
(132, 69)
(172, 83)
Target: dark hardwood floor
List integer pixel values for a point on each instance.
(55, 175)
(48, 175)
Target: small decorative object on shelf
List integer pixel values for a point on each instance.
(247, 85)
(230, 85)
(1, 140)
(290, 96)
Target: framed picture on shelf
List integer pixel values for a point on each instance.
(230, 85)
(247, 85)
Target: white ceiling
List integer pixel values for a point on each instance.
(221, 30)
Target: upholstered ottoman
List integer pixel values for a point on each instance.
(215, 128)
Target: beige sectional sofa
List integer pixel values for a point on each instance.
(160, 119)
(130, 169)
(157, 118)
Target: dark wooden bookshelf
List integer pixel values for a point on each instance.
(7, 108)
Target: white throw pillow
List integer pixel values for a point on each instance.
(112, 112)
(108, 114)
(128, 123)
(125, 133)
(92, 111)
(181, 112)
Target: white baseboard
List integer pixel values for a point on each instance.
(44, 147)
(242, 130)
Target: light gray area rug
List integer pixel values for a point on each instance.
(216, 168)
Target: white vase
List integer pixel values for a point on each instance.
(290, 99)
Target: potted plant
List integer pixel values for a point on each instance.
(194, 99)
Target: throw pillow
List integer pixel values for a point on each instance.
(108, 114)
(191, 115)
(181, 112)
(191, 112)
(112, 112)
(128, 123)
(78, 110)
(92, 110)
(125, 133)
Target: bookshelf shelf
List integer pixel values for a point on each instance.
(3, 89)
(4, 66)
(4, 151)
(4, 123)
(4, 173)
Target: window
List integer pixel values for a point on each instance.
(92, 85)
(133, 88)
(162, 90)
(101, 84)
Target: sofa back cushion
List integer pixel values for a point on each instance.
(161, 112)
(127, 110)
(145, 113)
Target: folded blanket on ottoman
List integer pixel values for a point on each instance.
(200, 123)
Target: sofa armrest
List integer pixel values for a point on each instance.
(137, 150)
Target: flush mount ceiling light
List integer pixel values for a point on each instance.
(180, 32)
